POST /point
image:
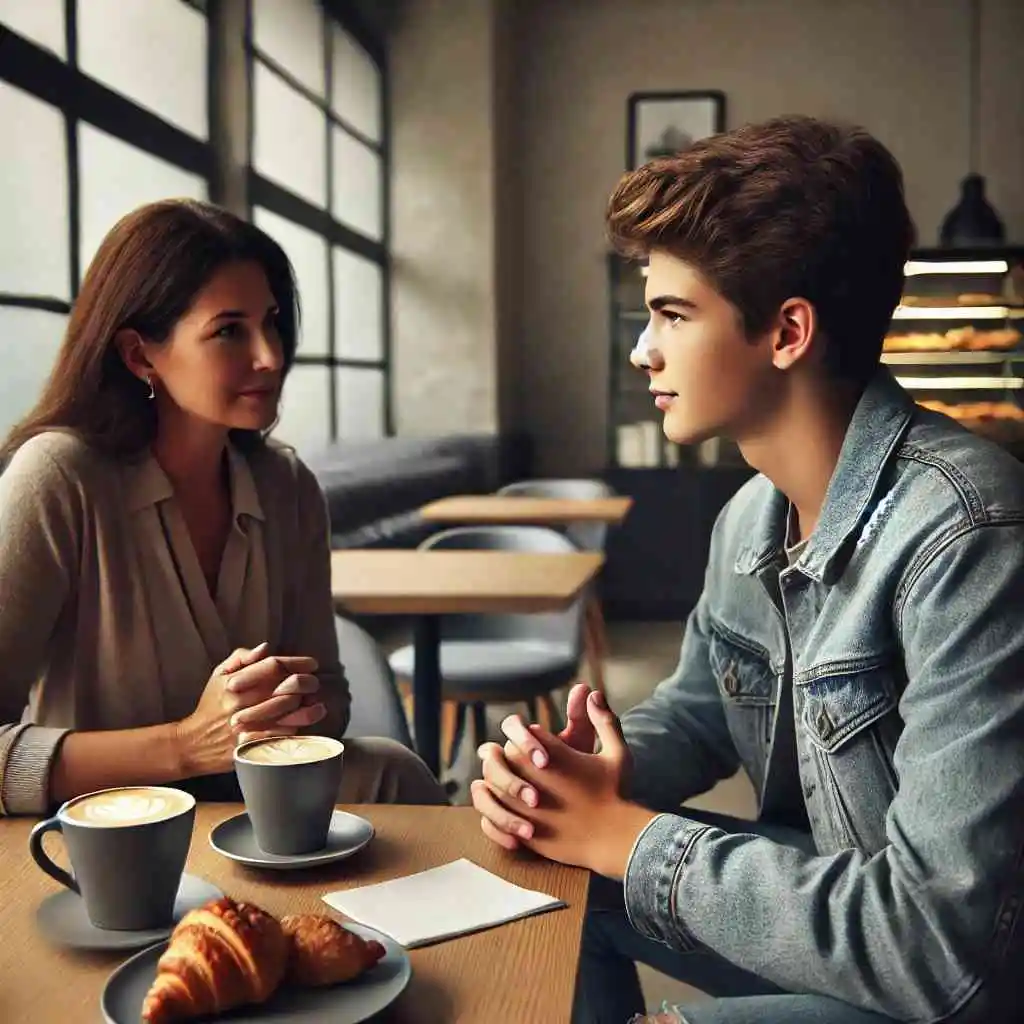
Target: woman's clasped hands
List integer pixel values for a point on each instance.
(250, 695)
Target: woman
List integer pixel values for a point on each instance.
(165, 567)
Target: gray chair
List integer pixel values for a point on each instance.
(503, 659)
(587, 537)
(376, 704)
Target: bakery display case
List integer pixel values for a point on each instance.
(955, 339)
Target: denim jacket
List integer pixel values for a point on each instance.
(900, 631)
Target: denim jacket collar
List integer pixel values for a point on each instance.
(879, 422)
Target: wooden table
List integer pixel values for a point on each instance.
(523, 971)
(429, 584)
(497, 509)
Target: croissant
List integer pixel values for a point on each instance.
(322, 952)
(221, 956)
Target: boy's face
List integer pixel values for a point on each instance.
(706, 376)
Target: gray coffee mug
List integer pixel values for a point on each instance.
(290, 803)
(127, 871)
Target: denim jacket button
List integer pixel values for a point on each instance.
(729, 680)
(824, 724)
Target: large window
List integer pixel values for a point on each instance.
(317, 183)
(104, 108)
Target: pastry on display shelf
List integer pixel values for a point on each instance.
(945, 301)
(956, 339)
(1002, 422)
(976, 410)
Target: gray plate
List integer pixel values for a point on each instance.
(234, 839)
(63, 921)
(350, 1003)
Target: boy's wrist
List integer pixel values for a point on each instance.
(620, 830)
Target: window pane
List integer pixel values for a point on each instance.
(360, 402)
(356, 189)
(115, 178)
(308, 253)
(355, 84)
(29, 339)
(305, 421)
(290, 32)
(358, 318)
(42, 21)
(288, 137)
(34, 198)
(153, 52)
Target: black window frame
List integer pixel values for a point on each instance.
(59, 82)
(279, 200)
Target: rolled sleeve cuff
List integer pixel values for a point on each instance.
(652, 876)
(26, 773)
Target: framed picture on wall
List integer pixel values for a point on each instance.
(663, 123)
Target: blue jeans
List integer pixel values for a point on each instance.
(608, 988)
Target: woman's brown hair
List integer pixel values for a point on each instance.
(145, 276)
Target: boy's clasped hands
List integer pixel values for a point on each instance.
(562, 796)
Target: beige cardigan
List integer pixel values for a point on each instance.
(106, 620)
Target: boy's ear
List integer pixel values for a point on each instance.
(794, 332)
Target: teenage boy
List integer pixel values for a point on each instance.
(858, 647)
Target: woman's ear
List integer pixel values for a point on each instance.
(130, 347)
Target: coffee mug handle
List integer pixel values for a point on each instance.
(35, 846)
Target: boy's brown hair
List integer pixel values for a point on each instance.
(792, 207)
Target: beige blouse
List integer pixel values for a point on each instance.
(106, 619)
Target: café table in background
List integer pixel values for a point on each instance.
(430, 584)
(522, 971)
(498, 509)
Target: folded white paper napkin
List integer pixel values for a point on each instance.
(454, 899)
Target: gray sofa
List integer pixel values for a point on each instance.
(374, 489)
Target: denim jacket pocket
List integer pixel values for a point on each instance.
(850, 721)
(838, 707)
(747, 683)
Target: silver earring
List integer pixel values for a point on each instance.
(152, 390)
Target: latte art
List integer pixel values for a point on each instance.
(130, 807)
(291, 750)
(121, 807)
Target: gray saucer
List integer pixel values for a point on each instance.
(234, 839)
(349, 1003)
(63, 921)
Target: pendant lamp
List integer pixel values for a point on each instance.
(973, 221)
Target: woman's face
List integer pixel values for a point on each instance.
(223, 361)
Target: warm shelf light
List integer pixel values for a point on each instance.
(947, 357)
(960, 383)
(950, 313)
(914, 268)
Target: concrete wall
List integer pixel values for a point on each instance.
(445, 334)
